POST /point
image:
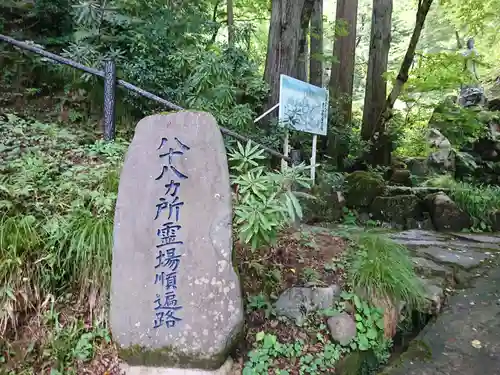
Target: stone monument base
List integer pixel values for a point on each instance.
(143, 370)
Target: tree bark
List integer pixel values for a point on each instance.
(376, 84)
(285, 31)
(344, 49)
(303, 60)
(342, 73)
(381, 152)
(316, 59)
(230, 23)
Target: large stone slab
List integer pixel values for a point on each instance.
(464, 339)
(175, 297)
(466, 259)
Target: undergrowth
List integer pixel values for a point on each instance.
(57, 195)
(382, 268)
(479, 201)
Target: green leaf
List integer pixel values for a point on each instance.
(371, 334)
(363, 342)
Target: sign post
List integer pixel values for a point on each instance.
(303, 107)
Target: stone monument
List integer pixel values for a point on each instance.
(175, 297)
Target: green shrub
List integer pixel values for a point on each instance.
(479, 201)
(362, 187)
(265, 201)
(379, 267)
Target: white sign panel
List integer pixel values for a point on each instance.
(303, 107)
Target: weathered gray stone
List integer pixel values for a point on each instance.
(206, 285)
(488, 239)
(466, 259)
(296, 302)
(395, 209)
(226, 369)
(464, 339)
(426, 267)
(446, 215)
(434, 295)
(342, 328)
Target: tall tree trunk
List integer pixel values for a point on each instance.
(230, 23)
(285, 31)
(303, 60)
(316, 59)
(342, 73)
(376, 84)
(381, 152)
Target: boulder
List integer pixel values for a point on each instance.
(445, 213)
(401, 177)
(434, 296)
(362, 187)
(395, 209)
(342, 328)
(424, 222)
(495, 221)
(418, 166)
(443, 159)
(297, 302)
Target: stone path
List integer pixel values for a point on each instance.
(465, 338)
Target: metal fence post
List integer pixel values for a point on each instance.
(109, 99)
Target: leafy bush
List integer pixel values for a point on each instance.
(265, 201)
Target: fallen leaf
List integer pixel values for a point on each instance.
(292, 270)
(476, 344)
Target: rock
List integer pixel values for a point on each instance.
(434, 295)
(297, 302)
(445, 213)
(418, 166)
(471, 96)
(423, 222)
(342, 328)
(446, 345)
(327, 207)
(395, 209)
(362, 187)
(175, 296)
(443, 159)
(466, 259)
(426, 267)
(493, 104)
(336, 204)
(495, 220)
(401, 177)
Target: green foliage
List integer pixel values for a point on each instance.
(265, 201)
(168, 51)
(479, 201)
(57, 198)
(362, 187)
(369, 328)
(381, 268)
(268, 349)
(64, 345)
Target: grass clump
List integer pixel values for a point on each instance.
(382, 268)
(479, 201)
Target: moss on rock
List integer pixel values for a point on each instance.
(362, 187)
(169, 357)
(395, 209)
(417, 351)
